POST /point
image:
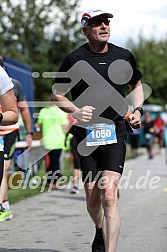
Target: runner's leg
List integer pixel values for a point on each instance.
(93, 201)
(1, 165)
(4, 184)
(111, 221)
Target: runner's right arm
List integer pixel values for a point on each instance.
(83, 114)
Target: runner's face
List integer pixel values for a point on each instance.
(98, 30)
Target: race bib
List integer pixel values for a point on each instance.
(100, 134)
(1, 143)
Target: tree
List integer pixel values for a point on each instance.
(39, 33)
(151, 56)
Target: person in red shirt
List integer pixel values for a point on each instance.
(158, 132)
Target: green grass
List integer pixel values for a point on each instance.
(128, 155)
(15, 195)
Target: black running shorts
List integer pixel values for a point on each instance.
(109, 157)
(9, 144)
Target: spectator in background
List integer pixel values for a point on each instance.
(76, 166)
(8, 116)
(53, 123)
(164, 118)
(8, 113)
(158, 132)
(148, 127)
(11, 134)
(75, 156)
(134, 142)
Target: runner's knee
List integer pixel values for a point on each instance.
(93, 202)
(109, 196)
(93, 207)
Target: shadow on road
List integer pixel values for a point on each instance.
(27, 250)
(74, 197)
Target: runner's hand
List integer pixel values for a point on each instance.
(28, 140)
(83, 114)
(135, 120)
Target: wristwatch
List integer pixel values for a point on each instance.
(139, 109)
(29, 133)
(1, 117)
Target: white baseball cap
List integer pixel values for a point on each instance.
(88, 15)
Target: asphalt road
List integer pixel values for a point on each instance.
(57, 221)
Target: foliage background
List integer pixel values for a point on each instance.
(151, 56)
(40, 33)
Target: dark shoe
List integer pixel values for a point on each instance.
(98, 243)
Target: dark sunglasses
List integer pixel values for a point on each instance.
(98, 23)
